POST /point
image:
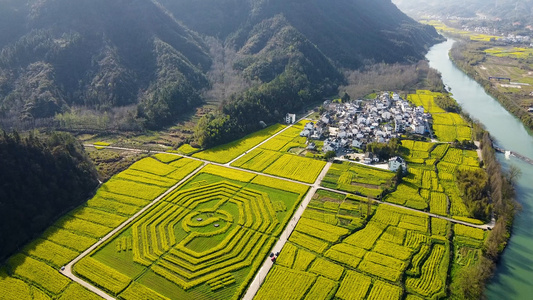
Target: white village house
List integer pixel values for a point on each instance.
(290, 118)
(397, 162)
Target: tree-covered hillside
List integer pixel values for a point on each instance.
(41, 177)
(100, 54)
(350, 32)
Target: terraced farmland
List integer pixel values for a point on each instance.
(204, 240)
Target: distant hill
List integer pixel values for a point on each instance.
(148, 62)
(510, 10)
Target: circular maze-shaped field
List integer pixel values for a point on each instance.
(204, 234)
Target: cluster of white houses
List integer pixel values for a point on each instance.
(354, 125)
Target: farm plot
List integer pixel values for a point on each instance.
(287, 140)
(438, 204)
(448, 127)
(337, 209)
(357, 178)
(427, 100)
(392, 255)
(226, 153)
(204, 240)
(433, 273)
(297, 168)
(415, 151)
(34, 271)
(514, 52)
(284, 165)
(408, 195)
(257, 160)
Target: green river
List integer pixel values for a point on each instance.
(514, 275)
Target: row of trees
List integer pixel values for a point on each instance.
(448, 103)
(469, 282)
(243, 114)
(385, 151)
(473, 185)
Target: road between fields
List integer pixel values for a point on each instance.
(484, 226)
(267, 264)
(263, 142)
(67, 271)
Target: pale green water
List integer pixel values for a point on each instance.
(514, 276)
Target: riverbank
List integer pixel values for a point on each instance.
(466, 56)
(512, 276)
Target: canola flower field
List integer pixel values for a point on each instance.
(208, 237)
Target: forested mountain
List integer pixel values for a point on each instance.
(151, 61)
(510, 10)
(40, 178)
(99, 54)
(347, 31)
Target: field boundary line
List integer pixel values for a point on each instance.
(484, 226)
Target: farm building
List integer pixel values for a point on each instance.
(397, 162)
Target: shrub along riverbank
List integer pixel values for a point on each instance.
(469, 282)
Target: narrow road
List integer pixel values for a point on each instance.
(68, 268)
(267, 264)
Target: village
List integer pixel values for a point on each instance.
(347, 128)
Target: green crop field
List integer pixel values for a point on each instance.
(34, 271)
(425, 188)
(397, 254)
(283, 165)
(514, 52)
(447, 127)
(226, 153)
(440, 26)
(430, 184)
(408, 195)
(357, 178)
(426, 99)
(203, 241)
